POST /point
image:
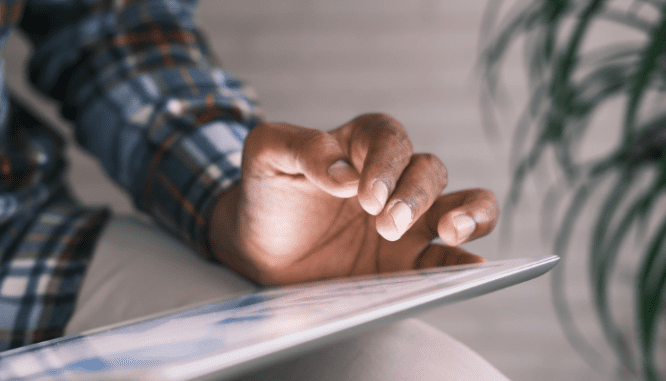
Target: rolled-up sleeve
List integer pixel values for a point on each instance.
(148, 99)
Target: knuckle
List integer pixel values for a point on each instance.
(432, 161)
(436, 162)
(310, 144)
(394, 165)
(313, 135)
(434, 167)
(386, 128)
(405, 143)
(317, 140)
(418, 197)
(315, 146)
(440, 171)
(379, 119)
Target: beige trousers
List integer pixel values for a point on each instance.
(138, 270)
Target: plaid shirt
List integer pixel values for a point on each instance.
(148, 100)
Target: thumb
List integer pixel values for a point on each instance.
(275, 149)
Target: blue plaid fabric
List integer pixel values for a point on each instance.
(149, 100)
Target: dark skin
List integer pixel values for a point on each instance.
(356, 200)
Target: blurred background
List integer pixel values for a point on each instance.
(320, 63)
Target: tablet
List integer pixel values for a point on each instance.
(225, 339)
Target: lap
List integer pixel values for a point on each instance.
(138, 270)
(406, 350)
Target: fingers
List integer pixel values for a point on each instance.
(401, 188)
(380, 149)
(419, 186)
(461, 216)
(281, 149)
(395, 185)
(438, 255)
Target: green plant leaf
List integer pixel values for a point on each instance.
(561, 90)
(604, 251)
(651, 287)
(611, 55)
(568, 86)
(626, 19)
(549, 206)
(653, 51)
(520, 19)
(560, 301)
(530, 118)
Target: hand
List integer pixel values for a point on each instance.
(314, 205)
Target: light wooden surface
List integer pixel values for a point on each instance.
(320, 63)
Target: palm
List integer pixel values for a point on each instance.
(341, 238)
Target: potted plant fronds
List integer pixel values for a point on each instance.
(569, 82)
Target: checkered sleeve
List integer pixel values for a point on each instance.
(147, 99)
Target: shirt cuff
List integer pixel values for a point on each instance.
(187, 174)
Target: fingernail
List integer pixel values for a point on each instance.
(464, 225)
(380, 191)
(402, 216)
(342, 172)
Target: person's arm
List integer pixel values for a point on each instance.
(170, 127)
(147, 99)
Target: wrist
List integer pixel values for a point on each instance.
(224, 233)
(222, 223)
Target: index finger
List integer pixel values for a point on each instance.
(379, 148)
